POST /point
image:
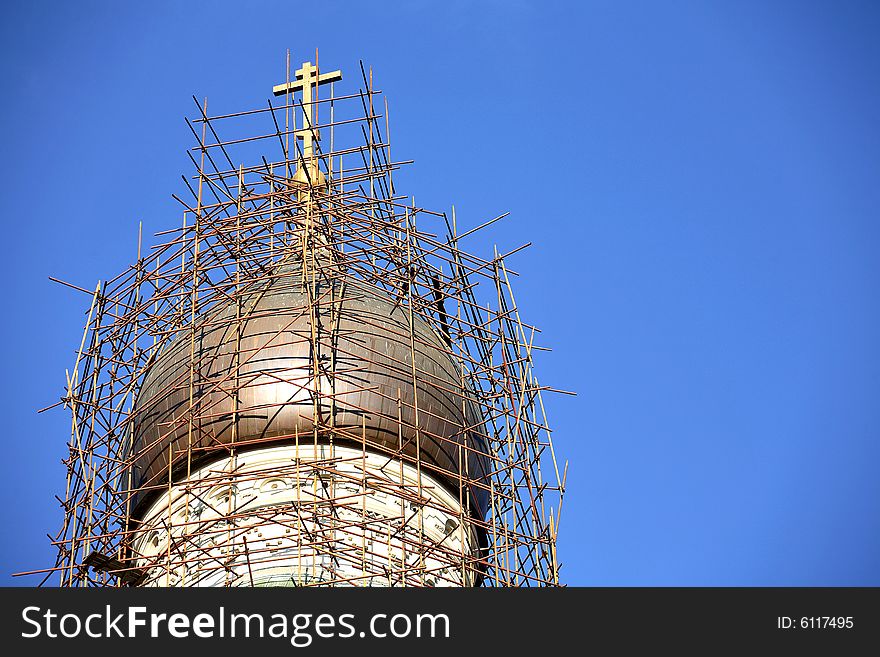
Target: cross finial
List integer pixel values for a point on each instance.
(307, 77)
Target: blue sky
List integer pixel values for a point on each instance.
(701, 182)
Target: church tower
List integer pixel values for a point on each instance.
(299, 385)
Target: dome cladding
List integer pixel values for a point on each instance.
(251, 367)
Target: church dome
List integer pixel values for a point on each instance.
(364, 392)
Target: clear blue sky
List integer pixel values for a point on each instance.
(701, 181)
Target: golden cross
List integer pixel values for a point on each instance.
(306, 77)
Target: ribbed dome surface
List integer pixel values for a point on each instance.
(366, 384)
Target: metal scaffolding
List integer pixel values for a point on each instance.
(293, 225)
